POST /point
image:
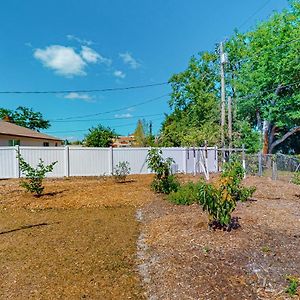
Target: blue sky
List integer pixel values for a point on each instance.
(95, 44)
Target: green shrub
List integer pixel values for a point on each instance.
(296, 178)
(121, 171)
(33, 182)
(164, 181)
(187, 194)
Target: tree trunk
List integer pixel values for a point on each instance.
(266, 132)
(284, 137)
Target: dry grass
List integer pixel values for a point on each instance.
(81, 243)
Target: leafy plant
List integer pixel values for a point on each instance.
(293, 285)
(187, 194)
(33, 182)
(121, 171)
(164, 181)
(296, 178)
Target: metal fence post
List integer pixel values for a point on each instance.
(274, 167)
(260, 171)
(244, 159)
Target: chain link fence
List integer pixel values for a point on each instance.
(275, 166)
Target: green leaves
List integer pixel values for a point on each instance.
(34, 176)
(164, 182)
(99, 136)
(25, 117)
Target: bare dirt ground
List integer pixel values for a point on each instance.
(76, 242)
(79, 241)
(186, 260)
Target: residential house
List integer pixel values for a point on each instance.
(124, 141)
(12, 135)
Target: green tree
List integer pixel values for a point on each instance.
(265, 67)
(194, 104)
(25, 117)
(99, 136)
(139, 135)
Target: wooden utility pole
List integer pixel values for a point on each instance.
(229, 105)
(222, 61)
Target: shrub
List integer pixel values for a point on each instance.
(219, 198)
(187, 194)
(34, 176)
(164, 181)
(296, 178)
(121, 171)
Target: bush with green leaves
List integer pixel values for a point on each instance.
(187, 194)
(164, 181)
(296, 178)
(33, 181)
(121, 171)
(235, 171)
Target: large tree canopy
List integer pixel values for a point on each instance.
(262, 76)
(265, 66)
(25, 117)
(194, 119)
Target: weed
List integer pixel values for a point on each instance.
(187, 194)
(293, 285)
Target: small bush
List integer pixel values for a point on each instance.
(33, 182)
(296, 178)
(187, 194)
(164, 181)
(121, 171)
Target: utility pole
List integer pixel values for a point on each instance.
(223, 62)
(229, 105)
(150, 128)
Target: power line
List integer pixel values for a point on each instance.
(254, 14)
(87, 90)
(267, 90)
(114, 110)
(86, 129)
(107, 119)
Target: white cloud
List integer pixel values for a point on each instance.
(119, 74)
(63, 60)
(128, 59)
(91, 56)
(71, 37)
(74, 96)
(122, 116)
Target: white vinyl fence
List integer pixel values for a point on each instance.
(80, 161)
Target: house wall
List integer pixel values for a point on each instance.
(24, 141)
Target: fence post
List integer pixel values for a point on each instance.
(274, 167)
(184, 157)
(244, 159)
(17, 165)
(67, 161)
(260, 164)
(111, 160)
(216, 161)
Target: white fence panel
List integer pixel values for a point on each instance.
(32, 155)
(89, 161)
(135, 156)
(178, 154)
(8, 162)
(80, 161)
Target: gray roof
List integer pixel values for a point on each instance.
(8, 128)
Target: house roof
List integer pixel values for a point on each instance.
(8, 128)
